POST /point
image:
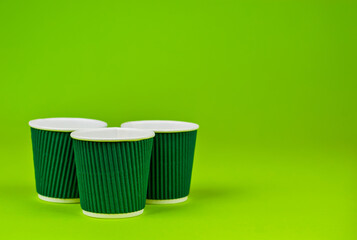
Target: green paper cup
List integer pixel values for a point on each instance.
(53, 156)
(171, 159)
(112, 168)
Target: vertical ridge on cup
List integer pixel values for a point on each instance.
(55, 172)
(170, 173)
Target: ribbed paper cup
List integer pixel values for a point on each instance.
(171, 159)
(53, 156)
(112, 169)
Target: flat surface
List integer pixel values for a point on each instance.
(272, 85)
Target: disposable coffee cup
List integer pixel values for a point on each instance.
(53, 155)
(112, 168)
(171, 159)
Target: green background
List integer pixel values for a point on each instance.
(271, 83)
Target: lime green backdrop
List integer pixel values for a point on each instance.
(271, 83)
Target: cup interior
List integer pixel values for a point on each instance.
(160, 126)
(66, 124)
(112, 134)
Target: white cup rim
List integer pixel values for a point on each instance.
(66, 124)
(162, 126)
(112, 134)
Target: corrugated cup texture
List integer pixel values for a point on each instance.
(113, 176)
(171, 165)
(55, 170)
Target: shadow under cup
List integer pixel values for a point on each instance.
(171, 160)
(53, 156)
(112, 169)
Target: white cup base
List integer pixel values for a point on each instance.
(58, 200)
(166, 201)
(115, 215)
